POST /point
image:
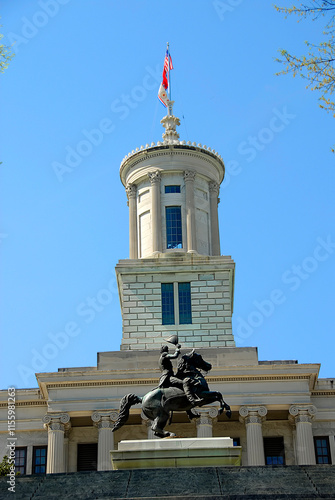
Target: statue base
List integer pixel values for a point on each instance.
(176, 452)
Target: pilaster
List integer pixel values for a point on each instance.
(253, 416)
(302, 416)
(155, 179)
(214, 188)
(189, 177)
(56, 424)
(104, 421)
(133, 240)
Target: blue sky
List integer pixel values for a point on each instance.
(81, 93)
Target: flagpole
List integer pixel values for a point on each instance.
(169, 84)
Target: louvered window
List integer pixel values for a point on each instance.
(274, 451)
(87, 457)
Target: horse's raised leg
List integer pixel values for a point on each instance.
(159, 423)
(223, 405)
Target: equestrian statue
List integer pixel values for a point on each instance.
(175, 392)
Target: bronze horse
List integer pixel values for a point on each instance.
(158, 404)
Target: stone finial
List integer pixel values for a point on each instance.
(170, 123)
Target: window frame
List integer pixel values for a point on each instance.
(177, 189)
(168, 315)
(328, 455)
(35, 448)
(176, 304)
(174, 228)
(21, 448)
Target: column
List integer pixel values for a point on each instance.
(155, 179)
(205, 421)
(189, 177)
(56, 425)
(302, 416)
(213, 201)
(148, 423)
(133, 240)
(253, 416)
(104, 421)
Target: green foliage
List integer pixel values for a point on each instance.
(317, 66)
(4, 466)
(6, 54)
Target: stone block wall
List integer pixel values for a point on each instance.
(211, 302)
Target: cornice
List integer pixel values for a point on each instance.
(154, 381)
(199, 152)
(323, 393)
(42, 403)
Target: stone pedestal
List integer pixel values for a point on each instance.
(176, 452)
(56, 424)
(104, 421)
(253, 417)
(301, 416)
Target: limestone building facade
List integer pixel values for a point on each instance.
(175, 281)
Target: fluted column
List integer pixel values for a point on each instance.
(56, 425)
(214, 200)
(133, 243)
(205, 421)
(253, 416)
(155, 179)
(302, 416)
(189, 177)
(104, 421)
(148, 423)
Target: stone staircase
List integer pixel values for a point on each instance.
(196, 483)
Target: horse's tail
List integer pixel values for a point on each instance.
(125, 404)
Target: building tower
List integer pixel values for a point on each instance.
(175, 280)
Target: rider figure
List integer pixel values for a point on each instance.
(168, 379)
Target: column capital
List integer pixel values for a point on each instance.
(56, 421)
(155, 177)
(214, 188)
(252, 414)
(189, 175)
(131, 190)
(104, 419)
(302, 413)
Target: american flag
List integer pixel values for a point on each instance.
(163, 89)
